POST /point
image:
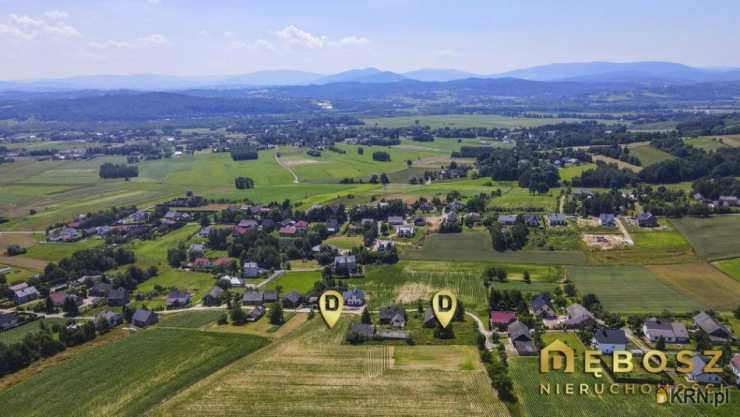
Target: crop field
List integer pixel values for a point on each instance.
(649, 155)
(702, 282)
(714, 143)
(620, 164)
(631, 289)
(731, 267)
(128, 377)
(309, 373)
(190, 319)
(476, 246)
(712, 238)
(463, 120)
(301, 281)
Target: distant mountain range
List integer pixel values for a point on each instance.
(651, 73)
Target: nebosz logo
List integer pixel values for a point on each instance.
(559, 356)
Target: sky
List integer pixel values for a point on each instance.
(61, 38)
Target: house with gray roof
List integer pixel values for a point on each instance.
(293, 299)
(177, 299)
(214, 296)
(507, 219)
(541, 307)
(579, 317)
(647, 220)
(609, 340)
(346, 264)
(144, 318)
(521, 339)
(607, 220)
(671, 332)
(256, 313)
(394, 315)
(251, 270)
(253, 298)
(718, 332)
(9, 321)
(270, 296)
(112, 318)
(25, 294)
(430, 320)
(556, 219)
(697, 374)
(118, 297)
(364, 331)
(354, 297)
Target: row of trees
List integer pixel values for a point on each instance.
(243, 183)
(110, 170)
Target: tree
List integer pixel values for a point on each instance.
(276, 314)
(384, 179)
(526, 277)
(237, 316)
(70, 307)
(501, 275)
(660, 343)
(702, 341)
(737, 313)
(102, 325)
(366, 318)
(178, 255)
(360, 150)
(50, 307)
(459, 312)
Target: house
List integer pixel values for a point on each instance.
(201, 263)
(214, 296)
(451, 217)
(531, 220)
(647, 220)
(270, 296)
(393, 315)
(698, 375)
(332, 226)
(419, 221)
(367, 222)
(672, 332)
(346, 264)
(541, 307)
(735, 367)
(232, 281)
(556, 219)
(267, 224)
(406, 231)
(474, 216)
(177, 299)
(395, 220)
(507, 219)
(59, 297)
(698, 197)
(455, 206)
(251, 270)
(256, 313)
(301, 226)
(100, 289)
(728, 201)
(430, 320)
(426, 206)
(521, 339)
(363, 331)
(292, 299)
(118, 297)
(8, 321)
(288, 231)
(501, 319)
(204, 231)
(609, 340)
(607, 220)
(253, 298)
(196, 250)
(718, 332)
(354, 297)
(144, 318)
(113, 319)
(579, 317)
(384, 245)
(24, 293)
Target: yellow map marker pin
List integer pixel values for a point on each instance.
(444, 304)
(330, 305)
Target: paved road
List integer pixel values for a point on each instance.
(289, 169)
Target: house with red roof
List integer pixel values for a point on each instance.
(501, 319)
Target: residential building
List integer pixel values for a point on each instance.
(256, 314)
(144, 318)
(718, 332)
(100, 289)
(214, 296)
(394, 315)
(521, 339)
(177, 299)
(118, 297)
(9, 321)
(354, 297)
(292, 299)
(579, 317)
(507, 219)
(609, 340)
(113, 319)
(253, 298)
(735, 367)
(671, 332)
(430, 320)
(363, 331)
(541, 307)
(395, 220)
(532, 220)
(556, 219)
(607, 220)
(405, 231)
(501, 319)
(647, 220)
(346, 264)
(251, 270)
(270, 296)
(24, 293)
(697, 374)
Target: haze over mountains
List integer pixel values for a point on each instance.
(651, 73)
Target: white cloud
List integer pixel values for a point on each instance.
(155, 40)
(297, 37)
(28, 27)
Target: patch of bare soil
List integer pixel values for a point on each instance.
(413, 291)
(604, 242)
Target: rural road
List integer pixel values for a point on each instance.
(274, 275)
(627, 236)
(289, 169)
(482, 329)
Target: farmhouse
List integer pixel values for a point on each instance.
(521, 339)
(23, 293)
(607, 220)
(253, 298)
(395, 220)
(256, 313)
(501, 319)
(144, 318)
(354, 297)
(405, 231)
(113, 319)
(393, 315)
(671, 332)
(177, 299)
(214, 296)
(541, 307)
(8, 321)
(532, 220)
(363, 331)
(292, 299)
(609, 340)
(118, 297)
(346, 264)
(717, 331)
(647, 220)
(698, 375)
(579, 317)
(556, 219)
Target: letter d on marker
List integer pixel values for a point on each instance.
(444, 304)
(330, 306)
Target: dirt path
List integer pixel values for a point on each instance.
(562, 204)
(295, 177)
(627, 236)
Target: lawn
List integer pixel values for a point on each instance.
(567, 173)
(310, 373)
(731, 267)
(649, 155)
(54, 252)
(631, 289)
(196, 283)
(129, 377)
(713, 238)
(17, 334)
(702, 282)
(344, 242)
(476, 246)
(301, 281)
(190, 319)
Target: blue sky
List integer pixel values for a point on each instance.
(44, 38)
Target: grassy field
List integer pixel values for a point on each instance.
(17, 334)
(54, 252)
(309, 373)
(476, 246)
(649, 155)
(128, 377)
(301, 281)
(463, 120)
(731, 267)
(702, 282)
(190, 319)
(714, 143)
(567, 173)
(712, 238)
(631, 289)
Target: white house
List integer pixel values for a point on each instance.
(251, 270)
(609, 340)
